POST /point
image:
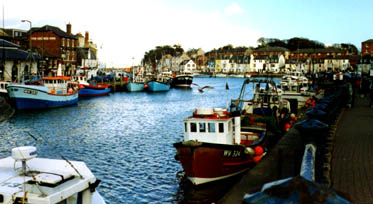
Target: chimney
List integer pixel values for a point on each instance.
(68, 28)
(86, 38)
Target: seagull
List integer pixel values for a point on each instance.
(201, 89)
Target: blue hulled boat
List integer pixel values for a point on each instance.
(94, 90)
(155, 86)
(161, 83)
(55, 92)
(90, 89)
(135, 86)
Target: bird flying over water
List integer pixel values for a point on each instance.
(201, 89)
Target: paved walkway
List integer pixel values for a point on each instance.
(352, 162)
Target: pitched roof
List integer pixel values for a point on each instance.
(318, 50)
(11, 51)
(5, 43)
(55, 30)
(184, 62)
(368, 41)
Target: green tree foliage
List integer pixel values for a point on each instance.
(291, 44)
(154, 55)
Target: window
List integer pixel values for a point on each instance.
(202, 127)
(221, 127)
(186, 127)
(63, 41)
(211, 127)
(68, 43)
(193, 127)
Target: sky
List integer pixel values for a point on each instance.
(124, 30)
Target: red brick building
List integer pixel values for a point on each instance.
(367, 47)
(55, 46)
(319, 53)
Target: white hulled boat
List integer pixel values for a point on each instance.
(27, 179)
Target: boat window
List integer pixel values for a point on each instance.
(186, 127)
(211, 127)
(193, 127)
(229, 125)
(202, 127)
(221, 127)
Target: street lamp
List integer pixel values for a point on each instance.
(30, 29)
(29, 44)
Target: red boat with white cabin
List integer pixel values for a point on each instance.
(215, 145)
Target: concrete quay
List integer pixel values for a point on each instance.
(352, 158)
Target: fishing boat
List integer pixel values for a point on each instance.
(216, 146)
(136, 82)
(136, 85)
(24, 178)
(296, 89)
(90, 89)
(219, 143)
(161, 83)
(182, 80)
(54, 92)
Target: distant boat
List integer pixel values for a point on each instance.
(136, 84)
(55, 92)
(161, 83)
(182, 80)
(87, 89)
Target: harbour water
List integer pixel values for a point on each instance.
(126, 140)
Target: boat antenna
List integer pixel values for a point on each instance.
(76, 170)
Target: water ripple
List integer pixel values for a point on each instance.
(125, 138)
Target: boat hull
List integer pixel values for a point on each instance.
(154, 86)
(207, 162)
(134, 87)
(182, 81)
(37, 97)
(90, 90)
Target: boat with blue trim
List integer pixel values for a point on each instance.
(54, 92)
(161, 83)
(91, 89)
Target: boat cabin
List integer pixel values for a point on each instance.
(48, 181)
(57, 85)
(209, 125)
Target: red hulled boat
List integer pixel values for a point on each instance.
(212, 150)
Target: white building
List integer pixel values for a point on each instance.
(187, 66)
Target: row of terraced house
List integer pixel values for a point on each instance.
(272, 59)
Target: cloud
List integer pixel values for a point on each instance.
(233, 9)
